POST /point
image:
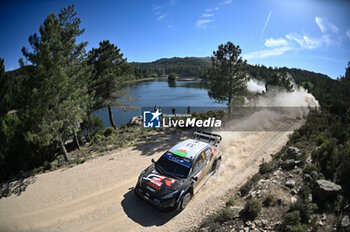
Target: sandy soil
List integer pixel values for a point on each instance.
(98, 195)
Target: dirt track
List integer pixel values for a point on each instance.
(98, 196)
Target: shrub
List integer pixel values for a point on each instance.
(268, 200)
(251, 209)
(306, 210)
(249, 184)
(299, 228)
(290, 220)
(319, 140)
(265, 168)
(230, 202)
(219, 217)
(108, 131)
(309, 168)
(246, 188)
(304, 192)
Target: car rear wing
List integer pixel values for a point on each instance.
(207, 137)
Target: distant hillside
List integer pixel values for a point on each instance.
(188, 66)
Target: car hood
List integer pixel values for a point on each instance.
(159, 183)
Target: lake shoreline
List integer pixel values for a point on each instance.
(165, 79)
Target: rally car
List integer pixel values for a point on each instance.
(170, 182)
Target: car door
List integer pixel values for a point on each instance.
(208, 157)
(201, 166)
(197, 170)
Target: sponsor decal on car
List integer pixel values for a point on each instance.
(156, 181)
(181, 152)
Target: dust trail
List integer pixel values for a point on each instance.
(273, 111)
(255, 86)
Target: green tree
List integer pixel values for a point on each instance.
(279, 80)
(226, 77)
(172, 76)
(110, 72)
(57, 84)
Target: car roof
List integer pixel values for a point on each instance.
(189, 148)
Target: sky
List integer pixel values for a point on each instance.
(306, 34)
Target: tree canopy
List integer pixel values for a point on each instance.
(227, 78)
(57, 98)
(110, 72)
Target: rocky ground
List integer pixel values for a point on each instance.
(281, 188)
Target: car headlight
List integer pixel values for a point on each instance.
(170, 195)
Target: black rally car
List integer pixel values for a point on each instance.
(170, 183)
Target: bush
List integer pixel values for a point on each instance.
(230, 202)
(319, 140)
(108, 131)
(304, 192)
(268, 200)
(299, 228)
(290, 220)
(249, 184)
(246, 188)
(309, 168)
(223, 215)
(265, 168)
(251, 209)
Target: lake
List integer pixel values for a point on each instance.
(166, 95)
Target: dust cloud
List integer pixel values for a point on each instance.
(273, 111)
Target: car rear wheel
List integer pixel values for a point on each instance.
(217, 165)
(185, 200)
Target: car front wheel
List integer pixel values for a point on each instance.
(185, 200)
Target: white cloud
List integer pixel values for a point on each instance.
(266, 53)
(304, 41)
(226, 2)
(348, 33)
(266, 22)
(162, 16)
(201, 23)
(208, 10)
(217, 8)
(275, 42)
(320, 24)
(156, 7)
(325, 26)
(206, 15)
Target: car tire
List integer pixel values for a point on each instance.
(185, 200)
(216, 165)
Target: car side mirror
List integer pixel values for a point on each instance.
(194, 178)
(153, 161)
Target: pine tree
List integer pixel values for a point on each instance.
(110, 72)
(226, 77)
(58, 99)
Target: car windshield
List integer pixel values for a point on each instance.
(173, 165)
